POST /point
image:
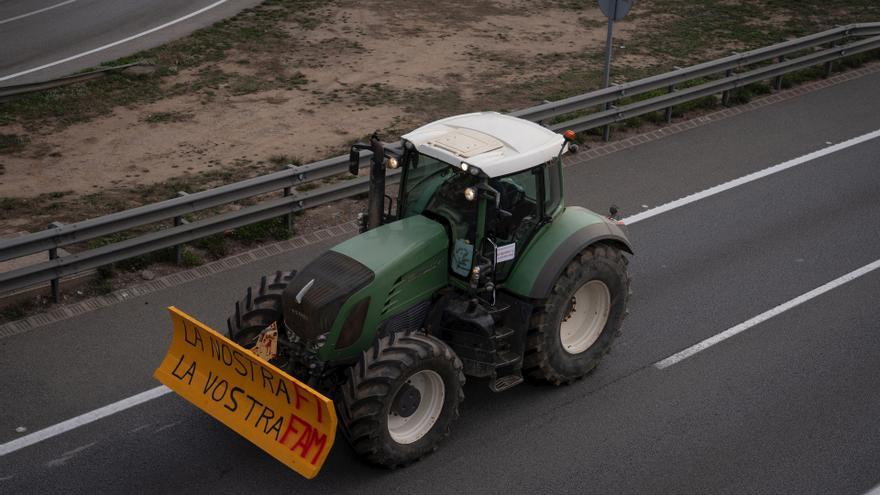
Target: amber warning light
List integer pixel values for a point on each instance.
(569, 135)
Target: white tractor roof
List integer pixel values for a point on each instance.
(495, 143)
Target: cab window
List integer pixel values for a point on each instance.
(552, 187)
(521, 216)
(420, 183)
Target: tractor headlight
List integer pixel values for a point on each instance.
(470, 194)
(391, 162)
(464, 167)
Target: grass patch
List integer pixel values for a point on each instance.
(80, 102)
(373, 95)
(12, 143)
(308, 186)
(108, 240)
(745, 94)
(243, 85)
(190, 259)
(272, 229)
(103, 282)
(215, 246)
(282, 159)
(294, 81)
(17, 311)
(430, 104)
(166, 117)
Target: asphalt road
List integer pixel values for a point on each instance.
(37, 33)
(790, 405)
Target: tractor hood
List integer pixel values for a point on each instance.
(385, 248)
(340, 298)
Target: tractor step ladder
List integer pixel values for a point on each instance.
(498, 312)
(502, 334)
(505, 382)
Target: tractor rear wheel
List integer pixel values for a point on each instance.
(581, 318)
(401, 398)
(258, 309)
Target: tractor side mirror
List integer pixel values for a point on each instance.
(354, 161)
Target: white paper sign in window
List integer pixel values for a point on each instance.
(505, 253)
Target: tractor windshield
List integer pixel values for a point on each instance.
(436, 189)
(420, 183)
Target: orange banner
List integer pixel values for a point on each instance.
(278, 413)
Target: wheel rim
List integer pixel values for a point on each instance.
(406, 430)
(586, 317)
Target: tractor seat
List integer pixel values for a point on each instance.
(513, 200)
(511, 193)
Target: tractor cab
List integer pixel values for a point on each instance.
(491, 180)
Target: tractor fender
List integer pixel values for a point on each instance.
(556, 245)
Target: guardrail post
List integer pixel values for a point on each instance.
(178, 221)
(670, 89)
(725, 96)
(777, 83)
(288, 191)
(543, 122)
(606, 131)
(55, 282)
(829, 65)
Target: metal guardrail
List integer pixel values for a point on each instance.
(784, 58)
(19, 90)
(663, 81)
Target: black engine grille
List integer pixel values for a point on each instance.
(336, 277)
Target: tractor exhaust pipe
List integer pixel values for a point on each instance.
(377, 177)
(377, 183)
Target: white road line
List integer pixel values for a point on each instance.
(22, 16)
(83, 419)
(124, 404)
(115, 43)
(638, 217)
(730, 332)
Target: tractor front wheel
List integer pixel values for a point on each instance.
(581, 317)
(401, 398)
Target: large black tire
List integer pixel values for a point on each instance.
(393, 367)
(546, 357)
(258, 309)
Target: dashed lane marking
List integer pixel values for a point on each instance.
(35, 12)
(778, 310)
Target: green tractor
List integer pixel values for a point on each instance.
(480, 270)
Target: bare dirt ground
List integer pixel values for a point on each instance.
(369, 65)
